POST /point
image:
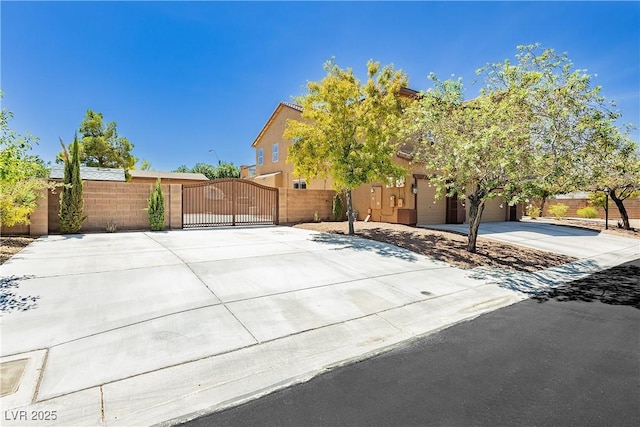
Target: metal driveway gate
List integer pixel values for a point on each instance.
(228, 201)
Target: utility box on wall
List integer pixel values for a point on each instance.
(376, 197)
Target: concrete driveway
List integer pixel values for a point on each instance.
(144, 328)
(572, 241)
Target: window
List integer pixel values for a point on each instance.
(260, 155)
(274, 155)
(299, 184)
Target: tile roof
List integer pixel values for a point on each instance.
(90, 173)
(294, 106)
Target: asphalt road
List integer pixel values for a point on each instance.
(567, 358)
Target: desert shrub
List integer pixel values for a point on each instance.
(558, 210)
(587, 212)
(338, 208)
(155, 208)
(111, 227)
(533, 211)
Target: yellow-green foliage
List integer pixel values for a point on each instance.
(533, 211)
(587, 212)
(18, 200)
(559, 210)
(22, 174)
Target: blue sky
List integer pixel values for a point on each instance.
(181, 78)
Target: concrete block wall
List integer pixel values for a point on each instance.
(632, 206)
(300, 205)
(123, 203)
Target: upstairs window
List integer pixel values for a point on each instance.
(260, 156)
(274, 154)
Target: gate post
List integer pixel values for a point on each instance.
(276, 220)
(175, 206)
(233, 202)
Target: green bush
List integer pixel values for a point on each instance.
(71, 202)
(338, 208)
(559, 210)
(587, 212)
(155, 208)
(533, 211)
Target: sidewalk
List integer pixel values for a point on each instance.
(240, 336)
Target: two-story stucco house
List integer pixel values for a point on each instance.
(406, 201)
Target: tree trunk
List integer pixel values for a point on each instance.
(542, 203)
(350, 213)
(623, 211)
(476, 207)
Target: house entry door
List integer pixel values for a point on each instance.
(454, 211)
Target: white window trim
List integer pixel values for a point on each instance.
(275, 153)
(260, 156)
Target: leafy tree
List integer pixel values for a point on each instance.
(22, 174)
(71, 202)
(473, 149)
(528, 133)
(145, 165)
(227, 170)
(567, 113)
(182, 169)
(155, 208)
(206, 169)
(223, 170)
(614, 166)
(349, 130)
(101, 146)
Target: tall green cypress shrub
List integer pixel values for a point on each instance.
(155, 208)
(338, 208)
(71, 203)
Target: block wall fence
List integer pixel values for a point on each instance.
(124, 203)
(632, 206)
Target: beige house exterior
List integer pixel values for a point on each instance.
(272, 148)
(407, 201)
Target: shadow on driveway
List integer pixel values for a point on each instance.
(360, 244)
(10, 300)
(617, 286)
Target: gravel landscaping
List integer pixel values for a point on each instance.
(448, 247)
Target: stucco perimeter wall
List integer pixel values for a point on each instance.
(300, 205)
(123, 203)
(632, 206)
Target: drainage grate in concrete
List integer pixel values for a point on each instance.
(10, 376)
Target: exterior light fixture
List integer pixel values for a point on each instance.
(414, 188)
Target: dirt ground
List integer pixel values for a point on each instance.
(10, 246)
(448, 247)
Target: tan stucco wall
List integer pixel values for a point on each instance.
(430, 209)
(272, 135)
(492, 210)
